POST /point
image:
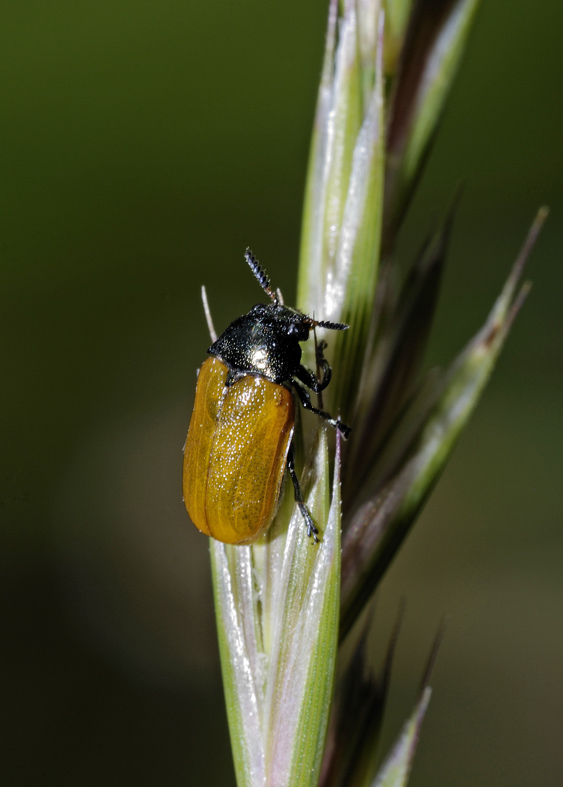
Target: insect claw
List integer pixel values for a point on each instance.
(344, 429)
(312, 531)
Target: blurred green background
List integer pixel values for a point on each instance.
(144, 146)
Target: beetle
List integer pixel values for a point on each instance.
(240, 438)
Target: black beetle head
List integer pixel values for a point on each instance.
(266, 340)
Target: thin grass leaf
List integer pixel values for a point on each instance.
(357, 716)
(302, 671)
(309, 286)
(432, 52)
(337, 122)
(350, 291)
(381, 522)
(342, 215)
(396, 768)
(397, 13)
(241, 691)
(399, 348)
(368, 16)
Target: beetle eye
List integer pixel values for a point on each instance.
(293, 329)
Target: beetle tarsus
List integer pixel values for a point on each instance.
(344, 429)
(313, 532)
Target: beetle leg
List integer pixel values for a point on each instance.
(312, 530)
(307, 378)
(305, 400)
(322, 363)
(311, 380)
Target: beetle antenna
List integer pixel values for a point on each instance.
(332, 326)
(260, 274)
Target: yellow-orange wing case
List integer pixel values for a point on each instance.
(236, 453)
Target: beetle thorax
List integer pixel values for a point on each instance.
(265, 341)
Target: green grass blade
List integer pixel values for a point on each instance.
(396, 768)
(241, 695)
(338, 119)
(380, 523)
(302, 664)
(277, 604)
(433, 49)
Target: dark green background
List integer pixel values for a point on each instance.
(143, 146)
